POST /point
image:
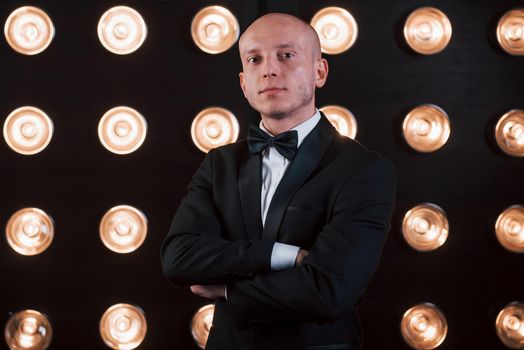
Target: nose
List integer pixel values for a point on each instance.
(270, 68)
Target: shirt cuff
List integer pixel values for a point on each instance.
(283, 256)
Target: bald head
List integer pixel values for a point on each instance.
(282, 65)
(283, 22)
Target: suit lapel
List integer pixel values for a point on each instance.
(249, 186)
(309, 155)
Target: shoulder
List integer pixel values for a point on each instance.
(234, 148)
(347, 150)
(229, 154)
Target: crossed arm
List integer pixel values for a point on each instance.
(219, 291)
(322, 286)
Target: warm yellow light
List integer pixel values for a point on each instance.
(425, 227)
(213, 127)
(336, 28)
(342, 119)
(510, 32)
(28, 329)
(427, 30)
(29, 30)
(122, 130)
(28, 130)
(426, 128)
(122, 30)
(214, 29)
(424, 327)
(201, 324)
(510, 325)
(123, 229)
(29, 231)
(509, 133)
(123, 326)
(509, 228)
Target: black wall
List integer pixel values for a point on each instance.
(169, 80)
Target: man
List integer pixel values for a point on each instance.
(284, 232)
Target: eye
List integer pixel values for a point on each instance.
(287, 55)
(253, 59)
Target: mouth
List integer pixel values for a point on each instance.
(271, 90)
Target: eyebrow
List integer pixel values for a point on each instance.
(280, 46)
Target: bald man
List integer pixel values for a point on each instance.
(283, 229)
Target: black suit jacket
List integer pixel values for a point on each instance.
(335, 200)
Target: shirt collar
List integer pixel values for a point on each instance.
(303, 129)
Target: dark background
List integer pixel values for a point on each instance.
(169, 80)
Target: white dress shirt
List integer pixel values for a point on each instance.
(274, 165)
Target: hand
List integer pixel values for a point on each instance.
(302, 253)
(210, 292)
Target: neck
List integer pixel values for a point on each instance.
(279, 125)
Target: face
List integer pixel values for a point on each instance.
(280, 67)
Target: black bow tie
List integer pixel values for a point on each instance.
(285, 143)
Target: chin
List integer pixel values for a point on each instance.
(271, 110)
(272, 113)
(275, 112)
(277, 115)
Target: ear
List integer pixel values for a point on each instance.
(242, 85)
(322, 70)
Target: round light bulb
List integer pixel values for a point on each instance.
(123, 229)
(427, 30)
(424, 327)
(336, 29)
(426, 128)
(29, 30)
(122, 130)
(213, 127)
(510, 32)
(509, 228)
(510, 325)
(123, 327)
(342, 119)
(30, 231)
(214, 29)
(28, 329)
(122, 30)
(28, 130)
(425, 227)
(201, 324)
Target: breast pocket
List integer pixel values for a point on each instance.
(302, 224)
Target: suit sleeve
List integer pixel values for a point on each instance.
(194, 251)
(333, 277)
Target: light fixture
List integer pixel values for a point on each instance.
(121, 30)
(123, 326)
(214, 29)
(427, 30)
(424, 327)
(336, 29)
(509, 228)
(30, 231)
(122, 130)
(425, 227)
(28, 329)
(342, 119)
(509, 133)
(28, 130)
(201, 324)
(426, 128)
(510, 32)
(213, 127)
(123, 229)
(29, 30)
(510, 325)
